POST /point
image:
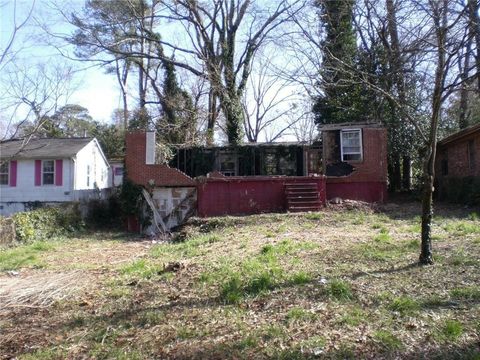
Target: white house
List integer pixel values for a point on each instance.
(50, 171)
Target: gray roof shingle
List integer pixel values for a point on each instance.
(43, 148)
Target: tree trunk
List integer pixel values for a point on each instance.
(212, 116)
(440, 19)
(463, 110)
(474, 24)
(406, 173)
(234, 117)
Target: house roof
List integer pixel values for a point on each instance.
(350, 125)
(43, 148)
(460, 134)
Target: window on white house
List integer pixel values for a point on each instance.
(351, 145)
(48, 172)
(88, 175)
(4, 173)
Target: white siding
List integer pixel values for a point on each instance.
(26, 190)
(91, 158)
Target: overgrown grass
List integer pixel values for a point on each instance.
(333, 284)
(24, 255)
(404, 305)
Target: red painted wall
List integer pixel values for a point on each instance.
(370, 191)
(248, 195)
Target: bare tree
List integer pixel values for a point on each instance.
(32, 95)
(268, 102)
(223, 37)
(424, 40)
(8, 53)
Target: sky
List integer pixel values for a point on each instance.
(93, 89)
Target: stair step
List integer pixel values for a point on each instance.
(301, 184)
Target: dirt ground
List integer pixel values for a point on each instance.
(341, 283)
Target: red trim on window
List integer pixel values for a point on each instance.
(38, 172)
(13, 173)
(58, 172)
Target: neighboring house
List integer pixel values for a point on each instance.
(457, 166)
(50, 171)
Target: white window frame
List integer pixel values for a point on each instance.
(50, 172)
(351, 153)
(8, 173)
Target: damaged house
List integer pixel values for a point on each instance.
(350, 162)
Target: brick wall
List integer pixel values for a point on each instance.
(373, 167)
(141, 173)
(457, 155)
(369, 180)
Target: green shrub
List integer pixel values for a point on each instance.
(464, 190)
(105, 213)
(47, 222)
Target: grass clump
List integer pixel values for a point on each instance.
(353, 317)
(141, 268)
(300, 278)
(314, 216)
(339, 290)
(469, 293)
(24, 256)
(387, 340)
(460, 228)
(404, 305)
(451, 330)
(299, 314)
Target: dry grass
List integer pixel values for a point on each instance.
(342, 283)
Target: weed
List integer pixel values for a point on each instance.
(404, 305)
(387, 340)
(299, 314)
(260, 283)
(300, 278)
(460, 228)
(151, 318)
(339, 290)
(141, 268)
(314, 342)
(433, 301)
(232, 290)
(353, 317)
(314, 216)
(459, 258)
(474, 216)
(185, 333)
(46, 354)
(271, 332)
(413, 245)
(450, 330)
(470, 293)
(248, 341)
(383, 238)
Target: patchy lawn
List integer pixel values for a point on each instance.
(342, 283)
